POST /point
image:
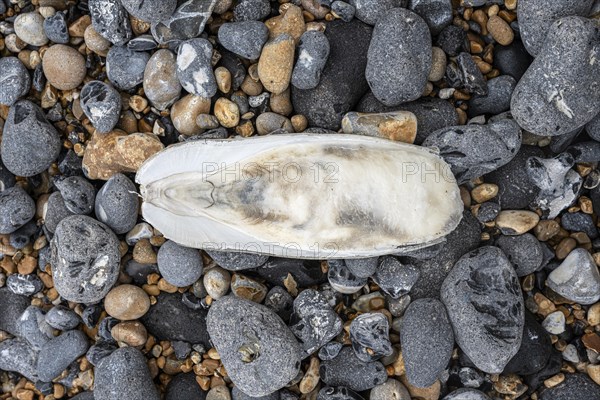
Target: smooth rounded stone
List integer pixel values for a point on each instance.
(338, 393)
(535, 349)
(343, 10)
(475, 150)
(62, 318)
(464, 74)
(85, 259)
(126, 302)
(54, 211)
(370, 11)
(219, 393)
(467, 394)
(276, 63)
(258, 350)
(96, 42)
(64, 67)
(245, 38)
(25, 285)
(487, 328)
(234, 261)
(553, 98)
(575, 386)
(78, 194)
(187, 22)
(117, 204)
(523, 251)
(18, 356)
(125, 67)
(512, 60)
(362, 267)
(313, 321)
(248, 288)
(369, 334)
(395, 125)
(330, 350)
(237, 394)
(313, 52)
(216, 281)
(194, 69)
(30, 144)
(110, 20)
(184, 387)
(101, 103)
(269, 122)
(280, 301)
(391, 389)
(583, 152)
(170, 319)
(577, 278)
(394, 277)
(161, 84)
(29, 27)
(12, 306)
(124, 374)
(342, 81)
(180, 266)
(437, 14)
(427, 341)
(23, 236)
(342, 280)
(497, 100)
(14, 80)
(453, 40)
(142, 43)
(58, 353)
(347, 370)
(56, 29)
(84, 396)
(399, 76)
(16, 209)
(150, 11)
(251, 10)
(579, 222)
(33, 327)
(537, 16)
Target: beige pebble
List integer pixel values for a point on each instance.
(281, 103)
(315, 8)
(299, 123)
(126, 302)
(311, 378)
(594, 372)
(245, 130)
(227, 112)
(223, 78)
(185, 111)
(29, 27)
(500, 30)
(143, 252)
(222, 6)
(218, 393)
(270, 121)
(546, 229)
(438, 64)
(216, 281)
(129, 333)
(248, 288)
(47, 11)
(138, 103)
(516, 222)
(484, 192)
(64, 67)
(554, 380)
(161, 84)
(429, 393)
(78, 27)
(291, 21)
(251, 87)
(593, 315)
(95, 42)
(276, 62)
(13, 43)
(139, 26)
(396, 125)
(565, 247)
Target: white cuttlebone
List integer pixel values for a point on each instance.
(189, 199)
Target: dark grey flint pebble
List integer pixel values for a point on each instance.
(575, 386)
(305, 272)
(23, 236)
(12, 307)
(84, 396)
(536, 18)
(370, 337)
(553, 97)
(142, 43)
(347, 370)
(362, 267)
(19, 356)
(125, 67)
(232, 261)
(171, 319)
(55, 211)
(110, 20)
(258, 350)
(314, 322)
(427, 341)
(245, 38)
(475, 150)
(394, 277)
(330, 351)
(400, 75)
(437, 14)
(313, 51)
(77, 193)
(342, 279)
(101, 103)
(29, 142)
(32, 327)
(465, 74)
(7, 178)
(453, 40)
(184, 387)
(342, 81)
(369, 11)
(187, 22)
(523, 251)
(16, 209)
(58, 353)
(488, 328)
(498, 98)
(14, 80)
(194, 68)
(338, 393)
(512, 60)
(56, 29)
(279, 300)
(62, 318)
(583, 152)
(579, 222)
(535, 349)
(85, 259)
(117, 204)
(488, 211)
(180, 266)
(593, 128)
(25, 285)
(150, 10)
(99, 351)
(124, 375)
(237, 394)
(251, 10)
(467, 394)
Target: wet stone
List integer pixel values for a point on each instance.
(150, 10)
(78, 194)
(369, 334)
(234, 261)
(180, 266)
(342, 279)
(19, 356)
(394, 277)
(25, 285)
(347, 370)
(125, 67)
(370, 11)
(101, 103)
(498, 98)
(313, 51)
(56, 29)
(523, 251)
(16, 209)
(464, 74)
(62, 318)
(194, 68)
(245, 38)
(577, 278)
(251, 10)
(437, 14)
(20, 238)
(117, 204)
(58, 353)
(110, 20)
(14, 80)
(33, 327)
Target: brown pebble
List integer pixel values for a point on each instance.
(429, 393)
(500, 30)
(248, 288)
(138, 103)
(554, 380)
(395, 125)
(546, 229)
(64, 67)
(315, 8)
(78, 27)
(223, 78)
(251, 87)
(438, 64)
(130, 333)
(227, 112)
(516, 222)
(245, 130)
(311, 378)
(484, 192)
(27, 265)
(276, 62)
(281, 103)
(299, 122)
(95, 42)
(144, 253)
(269, 121)
(591, 341)
(185, 111)
(291, 21)
(593, 315)
(565, 247)
(594, 372)
(126, 302)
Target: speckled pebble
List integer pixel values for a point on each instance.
(101, 103)
(245, 38)
(110, 19)
(78, 194)
(117, 204)
(125, 67)
(161, 85)
(234, 261)
(58, 353)
(150, 10)
(62, 318)
(180, 266)
(313, 51)
(64, 67)
(194, 68)
(16, 209)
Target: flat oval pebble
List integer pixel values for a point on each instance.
(29, 27)
(347, 370)
(62, 318)
(497, 100)
(101, 103)
(110, 20)
(251, 10)
(244, 38)
(117, 204)
(276, 63)
(125, 67)
(313, 51)
(577, 278)
(516, 222)
(34, 328)
(258, 350)
(58, 353)
(161, 85)
(16, 209)
(64, 67)
(150, 10)
(180, 266)
(391, 389)
(234, 261)
(126, 302)
(14, 80)
(194, 68)
(437, 14)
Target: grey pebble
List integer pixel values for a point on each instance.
(19, 356)
(7, 178)
(497, 100)
(85, 259)
(55, 211)
(237, 394)
(313, 51)
(117, 204)
(347, 370)
(62, 318)
(342, 279)
(305, 272)
(12, 307)
(110, 20)
(187, 22)
(399, 76)
(394, 277)
(77, 193)
(194, 68)
(244, 38)
(23, 236)
(150, 10)
(453, 40)
(124, 375)
(343, 10)
(577, 278)
(370, 338)
(33, 327)
(30, 144)
(437, 14)
(101, 103)
(29, 27)
(16, 209)
(391, 389)
(14, 80)
(98, 351)
(330, 351)
(488, 211)
(370, 11)
(180, 266)
(585, 152)
(362, 267)
(142, 43)
(258, 350)
(233, 261)
(125, 67)
(512, 60)
(523, 251)
(467, 394)
(465, 74)
(216, 282)
(579, 222)
(575, 386)
(592, 128)
(56, 29)
(161, 84)
(535, 349)
(184, 386)
(26, 285)
(251, 10)
(280, 301)
(58, 353)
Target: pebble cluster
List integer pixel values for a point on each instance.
(96, 304)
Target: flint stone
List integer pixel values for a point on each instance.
(110, 20)
(57, 354)
(125, 67)
(523, 251)
(369, 11)
(577, 278)
(187, 22)
(14, 80)
(101, 104)
(245, 38)
(18, 356)
(347, 370)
